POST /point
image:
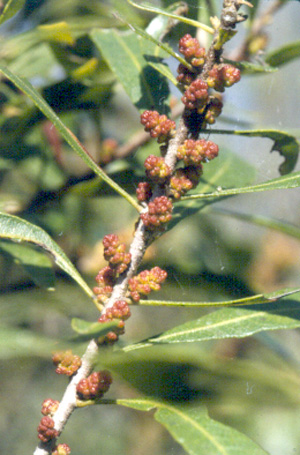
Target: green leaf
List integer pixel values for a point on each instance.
(35, 263)
(10, 9)
(252, 68)
(127, 50)
(284, 182)
(186, 20)
(226, 323)
(284, 54)
(195, 430)
(227, 170)
(29, 90)
(87, 330)
(251, 300)
(18, 230)
(284, 143)
(163, 69)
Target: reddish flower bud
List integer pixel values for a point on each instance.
(145, 282)
(192, 51)
(94, 386)
(196, 95)
(66, 362)
(49, 407)
(46, 430)
(156, 168)
(143, 192)
(159, 213)
(159, 126)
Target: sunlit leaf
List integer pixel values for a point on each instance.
(127, 50)
(285, 182)
(284, 54)
(33, 94)
(18, 230)
(226, 323)
(60, 32)
(10, 9)
(195, 430)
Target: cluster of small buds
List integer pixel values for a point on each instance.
(115, 253)
(49, 407)
(46, 430)
(159, 126)
(119, 310)
(66, 362)
(144, 192)
(185, 179)
(61, 449)
(192, 51)
(94, 386)
(194, 152)
(185, 76)
(213, 110)
(196, 96)
(145, 282)
(222, 76)
(156, 168)
(159, 213)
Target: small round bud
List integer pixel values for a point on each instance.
(156, 168)
(49, 407)
(62, 449)
(196, 95)
(222, 76)
(192, 51)
(145, 282)
(194, 152)
(159, 126)
(67, 363)
(94, 386)
(159, 213)
(46, 430)
(144, 192)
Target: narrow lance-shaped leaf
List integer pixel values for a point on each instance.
(16, 229)
(284, 54)
(71, 139)
(186, 20)
(284, 143)
(281, 183)
(195, 430)
(226, 323)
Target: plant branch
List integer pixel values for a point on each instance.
(142, 238)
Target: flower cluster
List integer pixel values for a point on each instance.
(194, 152)
(192, 51)
(185, 76)
(46, 430)
(49, 407)
(66, 362)
(115, 253)
(144, 192)
(159, 126)
(185, 179)
(62, 449)
(94, 386)
(119, 310)
(159, 213)
(196, 95)
(223, 75)
(213, 110)
(145, 282)
(156, 168)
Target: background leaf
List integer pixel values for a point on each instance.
(35, 263)
(195, 431)
(16, 229)
(127, 50)
(284, 54)
(87, 330)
